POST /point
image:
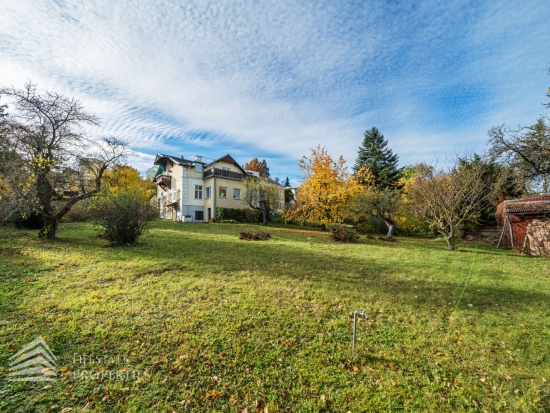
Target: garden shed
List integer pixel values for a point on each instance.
(517, 215)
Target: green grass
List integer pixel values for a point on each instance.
(216, 324)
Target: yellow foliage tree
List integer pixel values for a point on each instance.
(325, 190)
(255, 165)
(128, 178)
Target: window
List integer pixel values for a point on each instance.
(223, 192)
(280, 194)
(236, 193)
(174, 195)
(225, 169)
(199, 215)
(207, 194)
(198, 191)
(280, 205)
(198, 167)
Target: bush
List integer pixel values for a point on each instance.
(34, 220)
(220, 213)
(249, 236)
(79, 214)
(123, 216)
(342, 233)
(251, 216)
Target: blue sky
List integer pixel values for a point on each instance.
(273, 79)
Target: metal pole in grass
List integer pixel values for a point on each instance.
(356, 313)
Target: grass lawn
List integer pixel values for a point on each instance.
(194, 319)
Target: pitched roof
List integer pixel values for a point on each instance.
(528, 205)
(229, 159)
(175, 159)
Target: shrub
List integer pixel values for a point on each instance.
(34, 220)
(342, 233)
(220, 213)
(123, 216)
(78, 214)
(251, 216)
(260, 236)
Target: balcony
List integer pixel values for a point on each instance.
(223, 173)
(164, 181)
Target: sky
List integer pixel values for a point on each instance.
(273, 79)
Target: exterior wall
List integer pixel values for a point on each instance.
(190, 204)
(519, 228)
(229, 201)
(215, 183)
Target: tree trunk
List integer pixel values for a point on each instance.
(391, 229)
(264, 215)
(323, 227)
(49, 229)
(44, 191)
(449, 239)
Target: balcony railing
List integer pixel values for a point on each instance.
(223, 173)
(164, 181)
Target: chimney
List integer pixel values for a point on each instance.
(198, 158)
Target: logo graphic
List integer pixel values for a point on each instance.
(34, 362)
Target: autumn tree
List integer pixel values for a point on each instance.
(326, 188)
(261, 194)
(257, 166)
(446, 198)
(45, 130)
(126, 177)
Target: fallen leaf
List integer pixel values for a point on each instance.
(212, 394)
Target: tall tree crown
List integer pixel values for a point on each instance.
(381, 162)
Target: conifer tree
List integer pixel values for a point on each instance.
(378, 159)
(265, 168)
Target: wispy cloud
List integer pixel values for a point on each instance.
(273, 79)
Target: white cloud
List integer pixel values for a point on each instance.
(273, 79)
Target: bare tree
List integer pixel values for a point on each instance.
(526, 148)
(261, 194)
(63, 165)
(446, 198)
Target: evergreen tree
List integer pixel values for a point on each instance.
(287, 182)
(265, 168)
(375, 156)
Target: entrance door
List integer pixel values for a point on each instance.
(209, 214)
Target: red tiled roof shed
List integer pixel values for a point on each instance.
(520, 213)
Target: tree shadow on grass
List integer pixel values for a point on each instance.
(336, 270)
